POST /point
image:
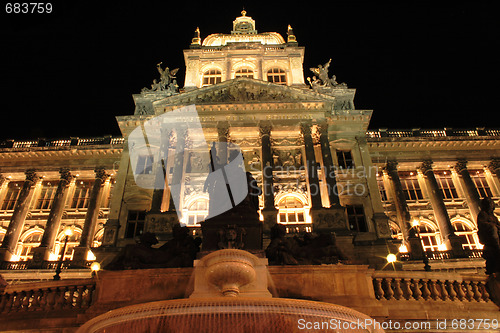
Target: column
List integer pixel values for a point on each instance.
(42, 252)
(269, 211)
(176, 186)
(400, 200)
(403, 211)
(3, 187)
(18, 216)
(436, 197)
(311, 166)
(80, 254)
(329, 169)
(471, 194)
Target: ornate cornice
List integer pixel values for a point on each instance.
(494, 165)
(31, 176)
(100, 173)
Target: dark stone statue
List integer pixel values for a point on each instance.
(178, 252)
(489, 235)
(311, 249)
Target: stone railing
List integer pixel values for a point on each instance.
(441, 255)
(401, 286)
(48, 296)
(446, 132)
(21, 265)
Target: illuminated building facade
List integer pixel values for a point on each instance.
(328, 172)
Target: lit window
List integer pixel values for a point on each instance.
(244, 72)
(446, 185)
(429, 237)
(14, 188)
(410, 186)
(276, 75)
(2, 236)
(291, 210)
(356, 218)
(81, 196)
(482, 186)
(73, 241)
(212, 76)
(468, 237)
(47, 194)
(135, 223)
(344, 158)
(28, 244)
(197, 212)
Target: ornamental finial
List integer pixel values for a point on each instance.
(243, 12)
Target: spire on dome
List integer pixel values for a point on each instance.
(244, 25)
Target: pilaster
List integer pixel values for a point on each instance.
(471, 194)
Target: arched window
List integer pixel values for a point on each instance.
(429, 236)
(73, 242)
(244, 72)
(29, 241)
(291, 210)
(212, 76)
(276, 75)
(197, 212)
(467, 235)
(395, 231)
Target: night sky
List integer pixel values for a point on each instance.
(415, 63)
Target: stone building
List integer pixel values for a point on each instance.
(414, 193)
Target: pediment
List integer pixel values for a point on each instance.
(245, 90)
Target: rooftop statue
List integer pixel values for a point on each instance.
(167, 83)
(321, 78)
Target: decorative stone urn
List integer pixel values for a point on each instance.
(230, 273)
(229, 270)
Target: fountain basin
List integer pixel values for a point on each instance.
(228, 314)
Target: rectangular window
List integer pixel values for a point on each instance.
(81, 196)
(144, 165)
(135, 223)
(481, 184)
(344, 158)
(445, 184)
(14, 188)
(381, 188)
(46, 196)
(356, 218)
(410, 186)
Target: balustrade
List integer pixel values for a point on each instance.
(49, 296)
(430, 286)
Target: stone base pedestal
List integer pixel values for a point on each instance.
(454, 243)
(415, 248)
(234, 229)
(331, 219)
(5, 255)
(161, 223)
(80, 256)
(40, 254)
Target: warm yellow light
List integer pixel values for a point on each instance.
(403, 248)
(90, 256)
(414, 222)
(391, 257)
(442, 247)
(68, 232)
(95, 266)
(53, 256)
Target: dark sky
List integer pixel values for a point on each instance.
(415, 63)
